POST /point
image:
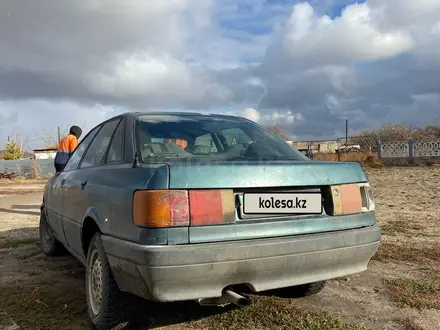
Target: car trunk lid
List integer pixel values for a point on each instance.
(268, 177)
(267, 174)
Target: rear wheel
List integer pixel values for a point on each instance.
(102, 292)
(49, 244)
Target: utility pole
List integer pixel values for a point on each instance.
(346, 132)
(59, 135)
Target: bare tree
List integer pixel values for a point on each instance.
(279, 132)
(402, 132)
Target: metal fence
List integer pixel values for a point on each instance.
(28, 167)
(393, 149)
(409, 149)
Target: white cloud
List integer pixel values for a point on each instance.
(286, 117)
(141, 75)
(252, 114)
(357, 35)
(283, 118)
(35, 120)
(407, 14)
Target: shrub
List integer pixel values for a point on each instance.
(12, 151)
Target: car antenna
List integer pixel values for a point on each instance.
(136, 160)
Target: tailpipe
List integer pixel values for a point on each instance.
(235, 298)
(228, 297)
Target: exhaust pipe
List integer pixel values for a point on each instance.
(236, 299)
(211, 302)
(227, 297)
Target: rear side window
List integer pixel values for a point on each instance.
(211, 137)
(115, 152)
(74, 160)
(96, 152)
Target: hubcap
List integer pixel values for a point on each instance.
(95, 282)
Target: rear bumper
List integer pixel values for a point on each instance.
(195, 271)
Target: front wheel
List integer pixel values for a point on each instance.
(102, 292)
(49, 244)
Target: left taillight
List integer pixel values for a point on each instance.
(161, 208)
(178, 208)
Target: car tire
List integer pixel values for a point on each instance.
(102, 292)
(300, 291)
(308, 289)
(48, 242)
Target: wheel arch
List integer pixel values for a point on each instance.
(89, 228)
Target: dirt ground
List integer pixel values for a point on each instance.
(400, 290)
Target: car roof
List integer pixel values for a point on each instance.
(132, 114)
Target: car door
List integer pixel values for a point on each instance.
(54, 202)
(80, 185)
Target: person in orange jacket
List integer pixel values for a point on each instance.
(181, 143)
(66, 147)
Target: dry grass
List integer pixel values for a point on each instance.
(52, 305)
(36, 170)
(346, 156)
(411, 324)
(404, 252)
(270, 313)
(414, 293)
(42, 307)
(13, 244)
(370, 159)
(401, 227)
(407, 200)
(23, 180)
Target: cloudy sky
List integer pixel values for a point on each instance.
(306, 66)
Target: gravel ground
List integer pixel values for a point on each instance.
(400, 290)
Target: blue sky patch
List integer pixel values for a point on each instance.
(336, 9)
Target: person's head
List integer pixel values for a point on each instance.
(75, 130)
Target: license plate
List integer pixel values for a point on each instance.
(282, 203)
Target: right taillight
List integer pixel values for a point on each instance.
(351, 199)
(368, 203)
(177, 208)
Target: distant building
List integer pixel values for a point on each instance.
(317, 146)
(48, 153)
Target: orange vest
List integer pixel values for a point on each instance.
(181, 143)
(68, 144)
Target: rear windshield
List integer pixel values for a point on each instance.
(208, 137)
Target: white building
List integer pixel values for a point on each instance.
(45, 153)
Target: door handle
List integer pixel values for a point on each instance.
(83, 184)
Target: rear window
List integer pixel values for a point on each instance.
(207, 137)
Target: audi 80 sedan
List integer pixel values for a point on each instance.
(186, 206)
